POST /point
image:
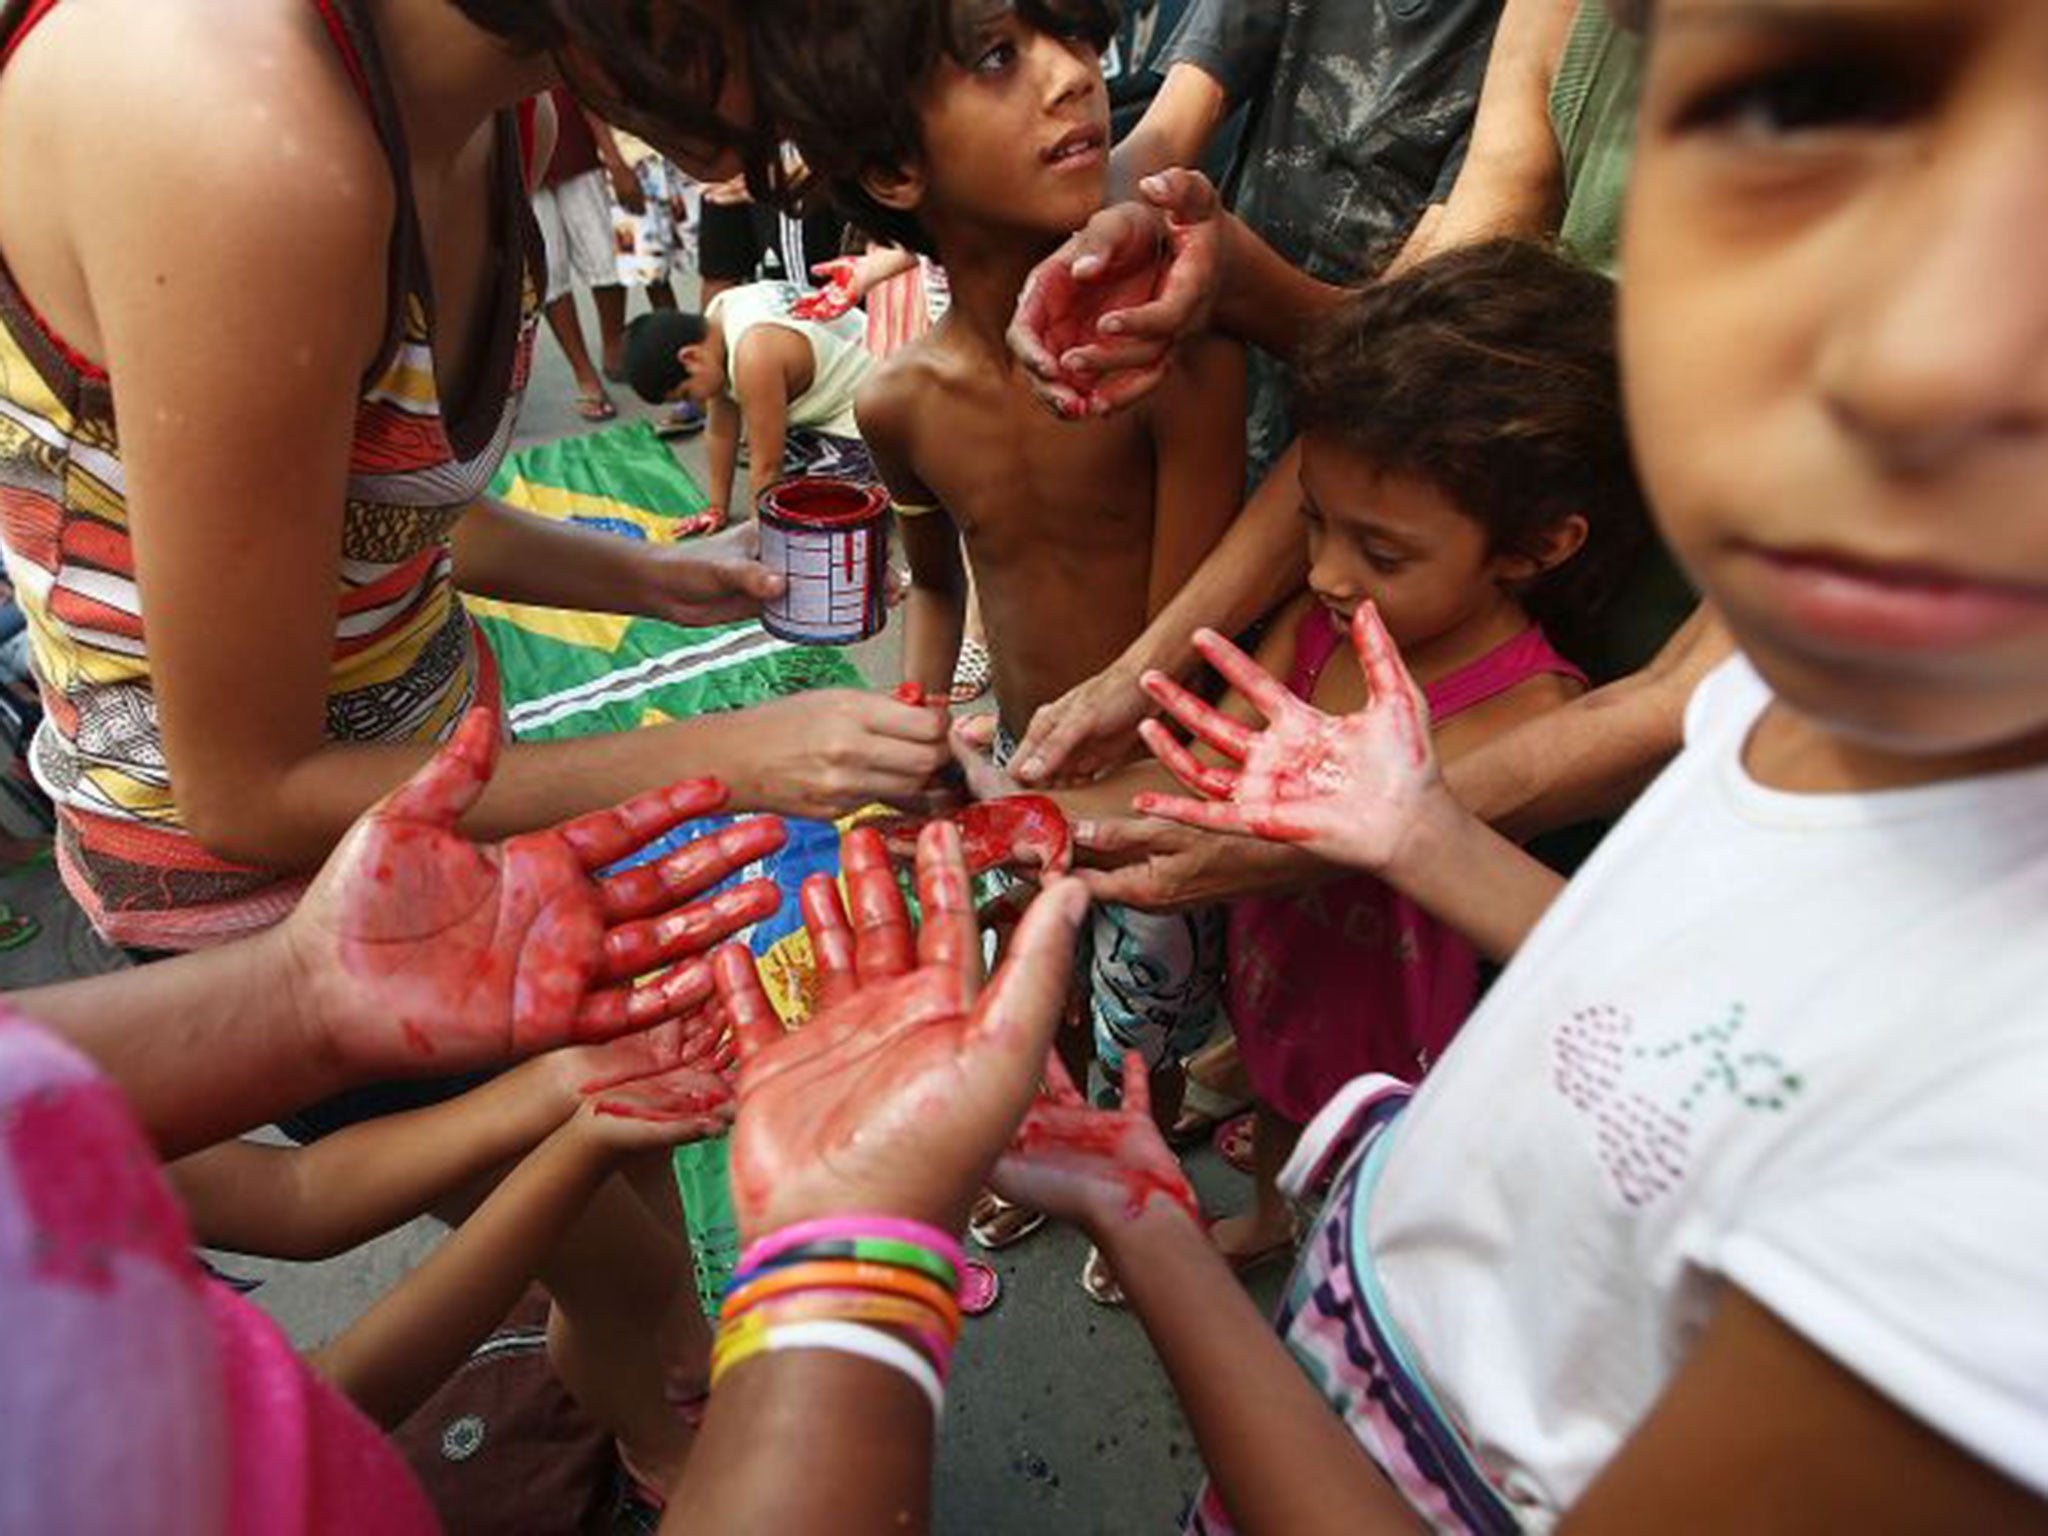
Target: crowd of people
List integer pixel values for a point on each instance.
(1627, 420)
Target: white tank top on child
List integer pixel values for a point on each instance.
(1793, 1043)
(839, 355)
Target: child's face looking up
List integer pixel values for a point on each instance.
(1019, 137)
(1401, 542)
(1835, 344)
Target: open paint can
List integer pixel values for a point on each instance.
(830, 539)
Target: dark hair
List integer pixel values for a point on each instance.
(1489, 373)
(652, 342)
(841, 80)
(652, 67)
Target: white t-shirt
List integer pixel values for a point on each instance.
(839, 356)
(1797, 1043)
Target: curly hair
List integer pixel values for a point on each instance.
(652, 67)
(841, 80)
(1490, 373)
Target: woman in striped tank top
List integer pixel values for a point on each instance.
(268, 285)
(264, 329)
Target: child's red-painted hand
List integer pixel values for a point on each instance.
(840, 290)
(1097, 319)
(1347, 788)
(1000, 827)
(699, 1040)
(908, 1079)
(1016, 832)
(1092, 1166)
(669, 1109)
(417, 950)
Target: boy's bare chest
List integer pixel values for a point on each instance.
(1007, 474)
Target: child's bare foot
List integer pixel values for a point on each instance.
(1254, 1238)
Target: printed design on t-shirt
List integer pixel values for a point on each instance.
(1643, 1097)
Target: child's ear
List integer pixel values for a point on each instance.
(1550, 549)
(900, 187)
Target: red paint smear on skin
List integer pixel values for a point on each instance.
(1013, 830)
(417, 1040)
(1100, 1139)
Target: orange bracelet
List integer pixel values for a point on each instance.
(858, 1307)
(853, 1274)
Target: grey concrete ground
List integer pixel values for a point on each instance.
(1059, 1419)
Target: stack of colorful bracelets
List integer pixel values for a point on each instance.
(881, 1287)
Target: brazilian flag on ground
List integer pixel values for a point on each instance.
(577, 674)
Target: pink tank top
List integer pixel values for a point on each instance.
(1351, 977)
(138, 1394)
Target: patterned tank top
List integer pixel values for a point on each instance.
(406, 660)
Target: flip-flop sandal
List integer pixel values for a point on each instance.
(980, 1288)
(972, 673)
(684, 420)
(1246, 1263)
(991, 1230)
(1098, 1282)
(596, 407)
(1233, 1143)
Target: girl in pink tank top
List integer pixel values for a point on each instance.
(1462, 468)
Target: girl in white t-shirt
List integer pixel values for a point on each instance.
(1729, 1208)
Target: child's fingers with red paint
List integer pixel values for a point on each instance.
(1233, 738)
(1137, 1085)
(1058, 1082)
(882, 941)
(1217, 783)
(949, 936)
(755, 1024)
(1019, 1012)
(690, 870)
(1265, 692)
(606, 1012)
(1209, 815)
(444, 787)
(832, 946)
(604, 837)
(1387, 679)
(636, 947)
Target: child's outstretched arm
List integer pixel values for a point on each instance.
(1281, 1458)
(771, 366)
(1197, 419)
(315, 1201)
(413, 1339)
(1364, 789)
(721, 449)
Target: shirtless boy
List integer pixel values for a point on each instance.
(1078, 531)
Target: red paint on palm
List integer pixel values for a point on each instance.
(680, 1096)
(1348, 783)
(1065, 1141)
(895, 1096)
(1013, 831)
(419, 945)
(697, 1041)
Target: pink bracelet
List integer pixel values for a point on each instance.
(826, 1228)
